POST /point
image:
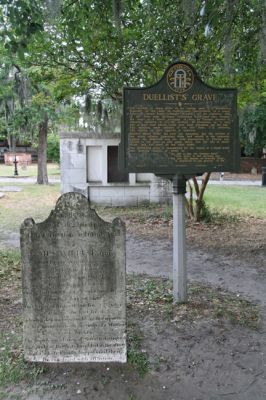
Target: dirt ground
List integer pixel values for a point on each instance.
(201, 358)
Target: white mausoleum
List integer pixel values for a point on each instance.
(89, 165)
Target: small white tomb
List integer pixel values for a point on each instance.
(89, 165)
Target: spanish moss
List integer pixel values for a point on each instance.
(99, 109)
(117, 12)
(53, 8)
(228, 45)
(262, 54)
(188, 8)
(88, 104)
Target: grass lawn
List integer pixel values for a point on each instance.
(31, 170)
(149, 299)
(240, 200)
(35, 201)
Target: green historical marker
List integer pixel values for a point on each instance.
(180, 126)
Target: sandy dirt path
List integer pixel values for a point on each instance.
(202, 360)
(154, 257)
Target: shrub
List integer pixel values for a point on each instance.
(53, 148)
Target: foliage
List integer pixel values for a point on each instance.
(92, 44)
(30, 17)
(195, 205)
(134, 355)
(153, 295)
(53, 148)
(88, 46)
(9, 263)
(13, 368)
(68, 115)
(26, 105)
(12, 365)
(253, 128)
(93, 47)
(30, 115)
(210, 215)
(13, 95)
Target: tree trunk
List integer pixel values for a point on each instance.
(200, 201)
(12, 142)
(42, 178)
(195, 205)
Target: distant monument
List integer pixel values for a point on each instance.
(73, 282)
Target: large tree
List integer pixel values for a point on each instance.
(16, 100)
(26, 106)
(105, 46)
(29, 96)
(109, 45)
(96, 45)
(253, 128)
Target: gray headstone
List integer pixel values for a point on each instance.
(73, 281)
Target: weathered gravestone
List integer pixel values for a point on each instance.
(73, 280)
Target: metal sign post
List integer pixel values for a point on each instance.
(179, 241)
(15, 162)
(180, 127)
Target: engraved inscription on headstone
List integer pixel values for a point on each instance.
(180, 125)
(73, 281)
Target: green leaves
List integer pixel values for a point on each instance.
(253, 128)
(96, 46)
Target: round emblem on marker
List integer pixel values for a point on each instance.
(180, 78)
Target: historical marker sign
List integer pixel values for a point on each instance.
(180, 125)
(73, 281)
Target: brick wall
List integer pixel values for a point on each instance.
(22, 158)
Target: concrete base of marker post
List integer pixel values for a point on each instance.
(179, 241)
